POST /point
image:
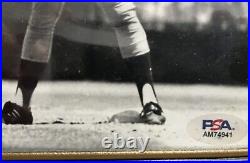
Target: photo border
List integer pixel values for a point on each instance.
(195, 154)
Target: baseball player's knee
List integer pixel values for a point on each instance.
(127, 19)
(45, 15)
(126, 16)
(131, 36)
(120, 13)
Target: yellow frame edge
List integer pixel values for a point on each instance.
(180, 154)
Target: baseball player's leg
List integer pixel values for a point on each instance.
(37, 46)
(36, 51)
(134, 48)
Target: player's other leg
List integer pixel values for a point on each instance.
(36, 51)
(134, 48)
(141, 70)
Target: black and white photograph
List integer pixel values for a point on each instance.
(125, 80)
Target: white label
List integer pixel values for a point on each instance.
(217, 128)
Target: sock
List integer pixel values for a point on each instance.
(30, 73)
(141, 70)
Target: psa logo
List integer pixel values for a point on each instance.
(217, 124)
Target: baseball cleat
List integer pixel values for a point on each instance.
(152, 114)
(15, 114)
